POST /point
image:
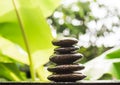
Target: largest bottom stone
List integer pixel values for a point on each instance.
(66, 77)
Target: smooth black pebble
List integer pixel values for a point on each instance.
(65, 58)
(66, 68)
(66, 49)
(66, 42)
(66, 77)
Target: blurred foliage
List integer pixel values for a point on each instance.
(91, 52)
(69, 15)
(22, 56)
(23, 38)
(79, 20)
(97, 28)
(104, 67)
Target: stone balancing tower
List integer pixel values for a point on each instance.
(65, 57)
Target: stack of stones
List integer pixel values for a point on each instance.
(65, 57)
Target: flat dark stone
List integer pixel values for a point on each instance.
(72, 52)
(66, 68)
(65, 58)
(66, 49)
(64, 42)
(66, 77)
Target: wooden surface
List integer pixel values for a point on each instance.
(64, 83)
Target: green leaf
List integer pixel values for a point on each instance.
(5, 59)
(48, 6)
(10, 71)
(116, 70)
(3, 80)
(106, 77)
(9, 51)
(113, 54)
(36, 29)
(40, 57)
(22, 22)
(101, 65)
(43, 73)
(35, 26)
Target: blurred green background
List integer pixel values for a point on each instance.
(27, 28)
(94, 23)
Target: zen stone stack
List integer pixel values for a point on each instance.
(64, 57)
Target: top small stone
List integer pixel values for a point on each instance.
(64, 42)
